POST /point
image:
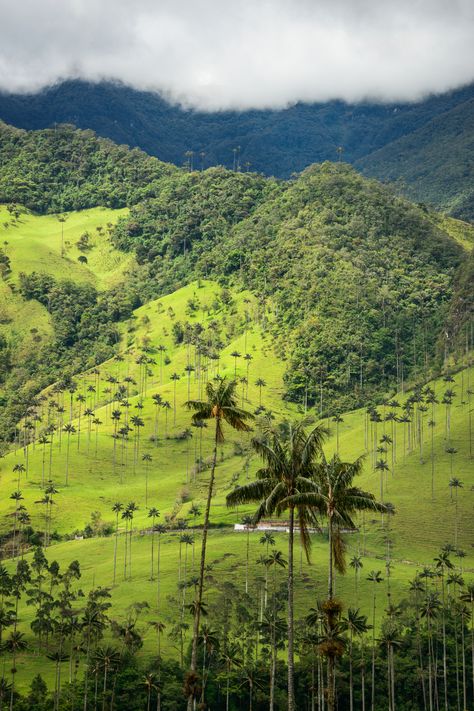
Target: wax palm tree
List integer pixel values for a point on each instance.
(80, 399)
(260, 383)
(267, 540)
(289, 456)
(97, 422)
(116, 508)
(333, 495)
(390, 639)
(429, 611)
(230, 657)
(15, 644)
(147, 458)
(153, 513)
(157, 403)
(116, 415)
(174, 377)
(356, 625)
(356, 564)
(150, 683)
(456, 484)
(160, 529)
(43, 440)
(337, 419)
(235, 355)
(221, 405)
(137, 422)
(382, 467)
(338, 500)
(106, 658)
(375, 578)
(19, 469)
(69, 429)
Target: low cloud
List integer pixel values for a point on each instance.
(220, 54)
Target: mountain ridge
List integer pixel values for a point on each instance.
(274, 142)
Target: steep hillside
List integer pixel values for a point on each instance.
(64, 169)
(433, 164)
(354, 270)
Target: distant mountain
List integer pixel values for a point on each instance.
(425, 147)
(434, 163)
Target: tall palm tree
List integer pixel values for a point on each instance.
(174, 377)
(390, 639)
(221, 406)
(356, 564)
(260, 383)
(15, 643)
(356, 625)
(69, 429)
(335, 497)
(338, 500)
(456, 484)
(147, 458)
(116, 508)
(230, 657)
(289, 456)
(374, 577)
(153, 513)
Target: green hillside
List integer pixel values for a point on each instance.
(171, 482)
(432, 164)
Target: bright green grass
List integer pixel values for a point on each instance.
(421, 525)
(462, 232)
(34, 244)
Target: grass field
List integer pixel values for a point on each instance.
(422, 524)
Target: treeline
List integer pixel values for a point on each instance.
(419, 659)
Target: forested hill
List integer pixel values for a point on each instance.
(363, 282)
(425, 147)
(67, 169)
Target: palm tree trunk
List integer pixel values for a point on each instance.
(115, 547)
(197, 609)
(291, 691)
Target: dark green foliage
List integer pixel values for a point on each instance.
(425, 145)
(64, 169)
(434, 163)
(361, 279)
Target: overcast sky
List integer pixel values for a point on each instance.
(242, 53)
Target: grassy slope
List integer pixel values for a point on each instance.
(33, 243)
(462, 232)
(420, 527)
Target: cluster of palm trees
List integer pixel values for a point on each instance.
(295, 481)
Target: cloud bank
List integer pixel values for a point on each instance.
(238, 54)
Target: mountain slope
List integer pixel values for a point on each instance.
(274, 142)
(433, 164)
(101, 470)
